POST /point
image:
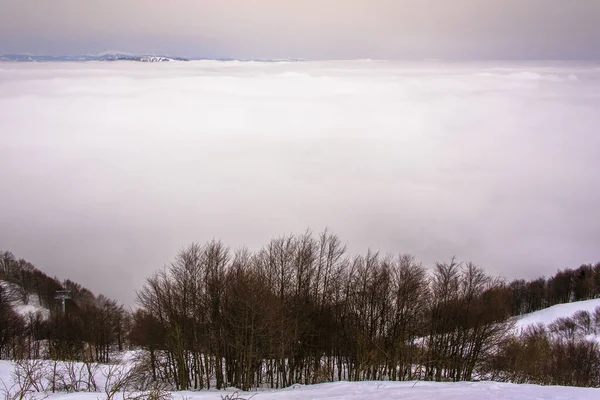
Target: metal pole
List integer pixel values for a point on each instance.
(63, 295)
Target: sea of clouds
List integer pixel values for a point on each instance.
(109, 168)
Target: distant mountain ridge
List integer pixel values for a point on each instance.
(120, 56)
(89, 57)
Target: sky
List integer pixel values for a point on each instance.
(311, 29)
(108, 169)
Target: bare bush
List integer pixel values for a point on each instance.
(117, 378)
(596, 319)
(155, 393)
(564, 327)
(27, 382)
(235, 396)
(539, 357)
(583, 320)
(132, 384)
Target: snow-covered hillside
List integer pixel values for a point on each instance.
(551, 314)
(33, 306)
(24, 308)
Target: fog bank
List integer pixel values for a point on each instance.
(107, 169)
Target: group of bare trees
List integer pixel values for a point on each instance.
(11, 325)
(90, 330)
(302, 310)
(540, 355)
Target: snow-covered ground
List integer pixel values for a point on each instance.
(388, 390)
(410, 391)
(551, 314)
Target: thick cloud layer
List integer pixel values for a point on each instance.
(313, 29)
(108, 169)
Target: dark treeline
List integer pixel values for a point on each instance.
(91, 328)
(566, 286)
(301, 310)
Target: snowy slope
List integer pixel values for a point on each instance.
(551, 314)
(32, 306)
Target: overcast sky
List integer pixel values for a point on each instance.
(313, 29)
(111, 168)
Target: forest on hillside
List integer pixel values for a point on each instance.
(303, 310)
